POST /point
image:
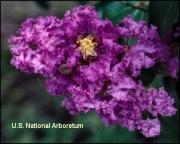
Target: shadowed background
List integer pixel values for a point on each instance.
(24, 98)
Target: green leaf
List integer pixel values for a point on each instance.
(83, 2)
(169, 85)
(169, 130)
(164, 14)
(43, 4)
(115, 11)
(147, 76)
(157, 82)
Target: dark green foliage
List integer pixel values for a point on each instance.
(43, 4)
(164, 14)
(116, 10)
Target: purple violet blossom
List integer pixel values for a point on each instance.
(35, 49)
(80, 58)
(149, 127)
(148, 50)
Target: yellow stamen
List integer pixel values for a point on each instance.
(87, 46)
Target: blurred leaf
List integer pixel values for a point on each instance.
(102, 133)
(164, 14)
(43, 4)
(5, 63)
(169, 130)
(157, 82)
(131, 41)
(116, 10)
(83, 2)
(147, 76)
(169, 85)
(114, 134)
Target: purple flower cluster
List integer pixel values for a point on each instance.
(81, 58)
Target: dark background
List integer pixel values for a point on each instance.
(24, 98)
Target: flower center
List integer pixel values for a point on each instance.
(86, 46)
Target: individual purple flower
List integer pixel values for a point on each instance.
(90, 45)
(87, 36)
(140, 30)
(58, 85)
(137, 57)
(120, 87)
(149, 127)
(148, 50)
(158, 102)
(105, 110)
(35, 48)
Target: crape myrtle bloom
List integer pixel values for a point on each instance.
(88, 37)
(149, 127)
(148, 50)
(35, 48)
(104, 86)
(89, 49)
(123, 102)
(87, 66)
(129, 111)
